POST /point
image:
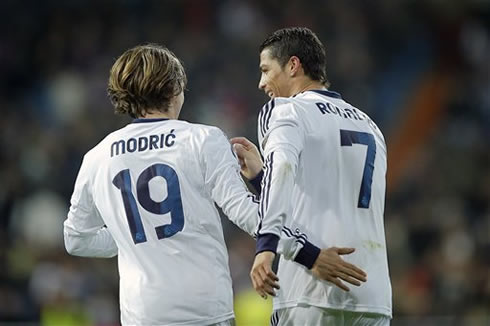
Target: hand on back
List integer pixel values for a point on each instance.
(330, 266)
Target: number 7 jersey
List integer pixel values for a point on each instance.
(154, 184)
(325, 169)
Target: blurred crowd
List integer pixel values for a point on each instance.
(54, 62)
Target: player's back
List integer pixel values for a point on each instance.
(149, 187)
(338, 200)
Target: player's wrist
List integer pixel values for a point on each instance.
(307, 255)
(256, 181)
(266, 242)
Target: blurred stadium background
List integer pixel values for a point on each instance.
(421, 69)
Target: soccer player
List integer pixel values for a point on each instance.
(324, 173)
(147, 193)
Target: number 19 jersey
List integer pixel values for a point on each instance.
(154, 184)
(325, 167)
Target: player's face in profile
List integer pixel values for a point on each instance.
(273, 78)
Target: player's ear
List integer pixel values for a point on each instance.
(294, 66)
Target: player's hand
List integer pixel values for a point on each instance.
(263, 278)
(329, 266)
(248, 157)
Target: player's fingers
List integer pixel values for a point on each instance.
(270, 274)
(241, 161)
(257, 284)
(269, 278)
(260, 292)
(256, 277)
(262, 269)
(241, 140)
(349, 279)
(252, 278)
(345, 251)
(266, 286)
(262, 272)
(272, 283)
(261, 285)
(268, 289)
(239, 150)
(355, 271)
(361, 276)
(337, 282)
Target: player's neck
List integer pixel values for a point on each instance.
(306, 85)
(171, 113)
(157, 115)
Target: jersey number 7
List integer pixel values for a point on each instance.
(172, 204)
(349, 137)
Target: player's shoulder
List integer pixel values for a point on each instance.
(276, 104)
(208, 136)
(365, 117)
(371, 124)
(277, 107)
(99, 151)
(283, 109)
(204, 129)
(96, 153)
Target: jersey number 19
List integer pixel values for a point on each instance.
(172, 204)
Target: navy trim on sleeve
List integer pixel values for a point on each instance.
(266, 242)
(255, 182)
(307, 255)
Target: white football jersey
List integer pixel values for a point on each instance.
(154, 184)
(325, 167)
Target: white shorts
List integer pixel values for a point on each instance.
(315, 316)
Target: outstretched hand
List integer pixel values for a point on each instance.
(264, 280)
(248, 157)
(329, 266)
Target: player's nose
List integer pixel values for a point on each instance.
(261, 83)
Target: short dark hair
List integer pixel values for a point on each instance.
(145, 78)
(302, 43)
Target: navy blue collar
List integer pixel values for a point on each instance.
(327, 93)
(148, 120)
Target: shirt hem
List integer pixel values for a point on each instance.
(385, 311)
(200, 322)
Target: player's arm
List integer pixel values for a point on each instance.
(224, 184)
(277, 185)
(293, 245)
(324, 264)
(227, 189)
(84, 231)
(282, 138)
